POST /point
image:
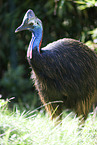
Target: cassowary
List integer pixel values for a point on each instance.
(65, 70)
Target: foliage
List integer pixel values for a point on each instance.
(93, 42)
(17, 85)
(18, 128)
(83, 4)
(73, 19)
(3, 102)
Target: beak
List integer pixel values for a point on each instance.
(21, 28)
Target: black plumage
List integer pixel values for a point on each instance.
(65, 70)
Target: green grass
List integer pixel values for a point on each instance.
(27, 129)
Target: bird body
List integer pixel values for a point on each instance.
(65, 70)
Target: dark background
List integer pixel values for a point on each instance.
(60, 19)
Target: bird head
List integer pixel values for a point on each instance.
(33, 24)
(30, 22)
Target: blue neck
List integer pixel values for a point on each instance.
(35, 42)
(38, 36)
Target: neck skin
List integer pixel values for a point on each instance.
(35, 42)
(38, 38)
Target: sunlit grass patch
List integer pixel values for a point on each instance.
(27, 128)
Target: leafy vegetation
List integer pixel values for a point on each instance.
(83, 4)
(30, 128)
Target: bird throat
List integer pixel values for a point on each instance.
(29, 51)
(35, 42)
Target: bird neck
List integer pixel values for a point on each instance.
(35, 42)
(37, 39)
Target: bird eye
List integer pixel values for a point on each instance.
(31, 24)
